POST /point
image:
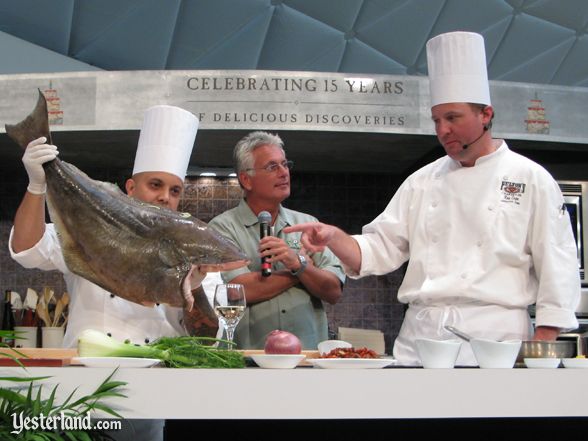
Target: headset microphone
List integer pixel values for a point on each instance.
(465, 146)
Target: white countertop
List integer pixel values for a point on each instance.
(311, 393)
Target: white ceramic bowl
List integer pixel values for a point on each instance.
(277, 361)
(575, 363)
(492, 354)
(324, 347)
(542, 363)
(437, 354)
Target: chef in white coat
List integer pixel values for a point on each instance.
(163, 153)
(483, 229)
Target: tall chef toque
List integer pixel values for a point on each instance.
(457, 69)
(166, 140)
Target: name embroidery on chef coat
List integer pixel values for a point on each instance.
(512, 192)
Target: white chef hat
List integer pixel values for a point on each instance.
(457, 69)
(166, 140)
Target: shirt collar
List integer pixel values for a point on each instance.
(502, 148)
(250, 219)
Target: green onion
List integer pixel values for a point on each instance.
(178, 352)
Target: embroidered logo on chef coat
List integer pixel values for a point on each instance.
(512, 192)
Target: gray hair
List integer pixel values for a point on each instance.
(242, 155)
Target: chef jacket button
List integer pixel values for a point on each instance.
(435, 239)
(146, 340)
(109, 334)
(490, 208)
(464, 275)
(437, 175)
(283, 311)
(112, 296)
(434, 204)
(479, 243)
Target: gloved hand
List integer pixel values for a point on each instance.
(196, 277)
(36, 154)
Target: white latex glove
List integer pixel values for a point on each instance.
(36, 154)
(196, 277)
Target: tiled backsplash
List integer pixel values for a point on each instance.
(348, 201)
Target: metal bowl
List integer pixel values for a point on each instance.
(547, 349)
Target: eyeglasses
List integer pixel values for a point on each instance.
(272, 167)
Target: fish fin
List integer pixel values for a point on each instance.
(33, 126)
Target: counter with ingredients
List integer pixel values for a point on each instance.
(312, 393)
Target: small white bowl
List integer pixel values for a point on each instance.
(438, 354)
(542, 363)
(277, 361)
(324, 347)
(492, 354)
(575, 363)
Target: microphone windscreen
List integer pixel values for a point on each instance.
(264, 217)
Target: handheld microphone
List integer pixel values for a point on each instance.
(465, 146)
(265, 220)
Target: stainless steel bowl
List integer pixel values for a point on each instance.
(547, 349)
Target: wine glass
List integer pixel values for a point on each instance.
(229, 306)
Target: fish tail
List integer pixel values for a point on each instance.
(33, 126)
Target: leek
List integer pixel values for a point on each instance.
(177, 352)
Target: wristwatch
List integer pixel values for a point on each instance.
(303, 263)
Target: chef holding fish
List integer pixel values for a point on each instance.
(163, 152)
(482, 228)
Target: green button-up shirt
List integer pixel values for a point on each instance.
(294, 310)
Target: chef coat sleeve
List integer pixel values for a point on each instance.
(45, 255)
(384, 242)
(555, 259)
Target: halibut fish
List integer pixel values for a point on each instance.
(140, 252)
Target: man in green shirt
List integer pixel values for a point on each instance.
(291, 298)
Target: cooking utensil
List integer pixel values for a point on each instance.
(459, 333)
(15, 300)
(64, 302)
(532, 348)
(43, 314)
(31, 299)
(57, 312)
(547, 349)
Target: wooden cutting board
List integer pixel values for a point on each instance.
(309, 354)
(38, 356)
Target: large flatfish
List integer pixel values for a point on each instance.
(140, 252)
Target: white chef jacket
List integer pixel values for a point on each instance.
(92, 307)
(482, 243)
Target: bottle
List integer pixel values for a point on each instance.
(7, 319)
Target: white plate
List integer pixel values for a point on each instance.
(116, 362)
(351, 363)
(542, 363)
(575, 363)
(277, 361)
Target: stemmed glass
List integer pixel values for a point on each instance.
(229, 306)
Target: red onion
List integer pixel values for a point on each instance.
(282, 342)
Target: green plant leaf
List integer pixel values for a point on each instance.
(30, 402)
